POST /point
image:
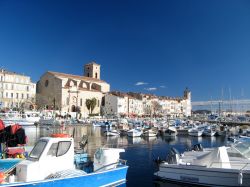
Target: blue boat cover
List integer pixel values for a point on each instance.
(8, 164)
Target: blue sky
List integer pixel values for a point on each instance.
(166, 44)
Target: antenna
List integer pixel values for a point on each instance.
(230, 99)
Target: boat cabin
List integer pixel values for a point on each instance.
(49, 155)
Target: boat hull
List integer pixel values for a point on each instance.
(112, 177)
(195, 133)
(200, 175)
(134, 133)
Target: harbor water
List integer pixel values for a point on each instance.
(140, 152)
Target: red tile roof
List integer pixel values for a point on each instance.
(64, 75)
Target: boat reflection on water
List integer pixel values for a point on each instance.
(134, 140)
(150, 139)
(171, 140)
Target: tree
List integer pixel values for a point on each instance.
(91, 104)
(88, 104)
(156, 107)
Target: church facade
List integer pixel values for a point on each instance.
(68, 93)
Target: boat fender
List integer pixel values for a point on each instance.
(98, 155)
(2, 177)
(240, 178)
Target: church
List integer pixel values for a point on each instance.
(68, 93)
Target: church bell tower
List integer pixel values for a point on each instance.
(92, 70)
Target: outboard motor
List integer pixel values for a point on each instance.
(198, 147)
(173, 156)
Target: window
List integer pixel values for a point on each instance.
(38, 149)
(27, 88)
(17, 95)
(22, 96)
(46, 83)
(96, 75)
(12, 86)
(53, 149)
(63, 148)
(6, 94)
(27, 96)
(80, 102)
(11, 95)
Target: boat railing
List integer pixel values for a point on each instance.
(120, 162)
(230, 165)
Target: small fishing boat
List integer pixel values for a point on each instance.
(170, 132)
(51, 163)
(134, 133)
(111, 132)
(149, 133)
(195, 132)
(209, 132)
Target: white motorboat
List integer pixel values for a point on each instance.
(170, 132)
(209, 132)
(112, 133)
(149, 133)
(195, 132)
(25, 118)
(134, 133)
(222, 166)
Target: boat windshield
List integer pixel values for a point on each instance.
(243, 148)
(38, 149)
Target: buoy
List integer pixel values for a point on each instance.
(2, 177)
(60, 135)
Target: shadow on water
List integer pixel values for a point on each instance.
(139, 151)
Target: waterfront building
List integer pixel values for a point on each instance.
(116, 104)
(16, 90)
(139, 104)
(122, 104)
(178, 106)
(68, 93)
(135, 106)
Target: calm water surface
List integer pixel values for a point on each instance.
(139, 152)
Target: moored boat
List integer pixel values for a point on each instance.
(51, 163)
(111, 132)
(134, 133)
(209, 132)
(195, 132)
(221, 166)
(171, 131)
(149, 133)
(25, 118)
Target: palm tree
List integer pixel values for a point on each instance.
(93, 104)
(88, 104)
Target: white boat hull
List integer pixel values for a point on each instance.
(208, 133)
(201, 175)
(195, 133)
(112, 133)
(134, 133)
